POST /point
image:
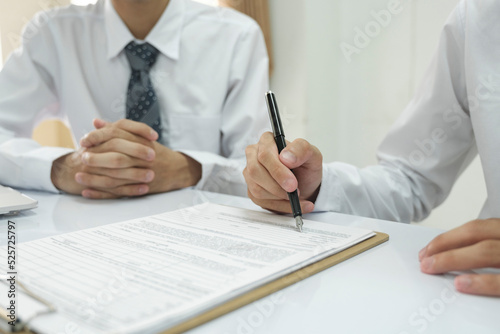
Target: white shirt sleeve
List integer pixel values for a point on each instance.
(427, 148)
(244, 117)
(27, 94)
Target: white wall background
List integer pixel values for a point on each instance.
(346, 108)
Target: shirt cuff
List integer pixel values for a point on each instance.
(205, 160)
(329, 196)
(38, 168)
(219, 174)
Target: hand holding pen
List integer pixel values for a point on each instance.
(269, 177)
(279, 138)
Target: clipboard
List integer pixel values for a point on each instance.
(252, 295)
(257, 293)
(279, 284)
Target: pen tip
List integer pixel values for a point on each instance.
(299, 223)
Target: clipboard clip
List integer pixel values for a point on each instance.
(22, 325)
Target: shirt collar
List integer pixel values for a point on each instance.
(165, 35)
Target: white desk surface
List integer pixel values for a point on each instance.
(379, 291)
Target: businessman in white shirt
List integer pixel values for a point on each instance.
(454, 116)
(166, 95)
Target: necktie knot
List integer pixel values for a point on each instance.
(141, 56)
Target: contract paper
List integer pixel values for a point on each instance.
(149, 274)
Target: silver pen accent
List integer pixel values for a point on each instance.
(299, 222)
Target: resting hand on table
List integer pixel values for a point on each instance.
(269, 178)
(108, 162)
(471, 246)
(123, 159)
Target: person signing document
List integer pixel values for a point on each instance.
(455, 114)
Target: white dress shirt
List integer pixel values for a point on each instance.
(210, 79)
(454, 115)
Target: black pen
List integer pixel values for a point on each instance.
(279, 138)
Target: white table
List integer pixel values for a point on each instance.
(379, 291)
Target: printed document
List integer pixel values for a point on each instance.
(149, 274)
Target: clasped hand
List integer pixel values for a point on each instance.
(123, 159)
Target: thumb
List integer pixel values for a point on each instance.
(301, 153)
(99, 123)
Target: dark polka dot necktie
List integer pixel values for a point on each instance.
(142, 103)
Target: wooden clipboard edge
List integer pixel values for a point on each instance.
(278, 284)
